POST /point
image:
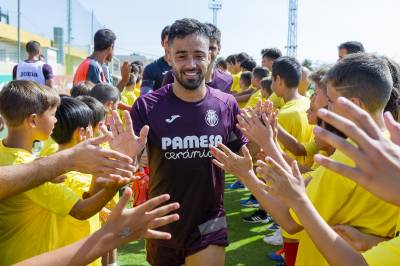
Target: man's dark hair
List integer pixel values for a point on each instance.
(242, 57)
(248, 64)
(352, 47)
(271, 53)
(288, 69)
(103, 39)
(33, 47)
(266, 84)
(214, 33)
(71, 115)
(165, 32)
(363, 76)
(221, 63)
(98, 111)
(260, 72)
(246, 78)
(82, 88)
(185, 27)
(21, 98)
(231, 59)
(104, 93)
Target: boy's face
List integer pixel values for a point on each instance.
(265, 93)
(277, 86)
(230, 68)
(242, 85)
(43, 124)
(320, 98)
(255, 82)
(267, 62)
(312, 112)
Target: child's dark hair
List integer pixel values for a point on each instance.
(231, 59)
(82, 88)
(288, 69)
(260, 72)
(318, 76)
(221, 63)
(266, 84)
(98, 111)
(71, 114)
(248, 64)
(271, 53)
(105, 92)
(363, 76)
(246, 78)
(21, 98)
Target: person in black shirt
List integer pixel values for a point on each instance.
(153, 73)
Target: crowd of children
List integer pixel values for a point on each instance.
(315, 142)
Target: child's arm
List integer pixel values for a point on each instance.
(124, 226)
(290, 189)
(291, 143)
(88, 207)
(242, 167)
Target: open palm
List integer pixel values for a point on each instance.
(124, 139)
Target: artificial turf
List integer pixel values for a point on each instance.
(246, 245)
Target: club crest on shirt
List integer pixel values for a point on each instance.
(211, 118)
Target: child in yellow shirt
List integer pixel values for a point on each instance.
(33, 222)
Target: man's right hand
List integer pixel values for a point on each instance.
(88, 157)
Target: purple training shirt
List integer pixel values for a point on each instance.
(180, 160)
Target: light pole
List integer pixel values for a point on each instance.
(19, 30)
(215, 6)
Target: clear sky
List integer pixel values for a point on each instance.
(246, 25)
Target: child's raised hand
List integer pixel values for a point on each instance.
(284, 185)
(231, 162)
(377, 159)
(251, 126)
(124, 139)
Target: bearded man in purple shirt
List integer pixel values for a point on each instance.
(215, 77)
(185, 118)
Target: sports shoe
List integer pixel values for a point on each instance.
(275, 239)
(250, 203)
(277, 255)
(236, 185)
(273, 226)
(259, 216)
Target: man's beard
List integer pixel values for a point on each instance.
(192, 84)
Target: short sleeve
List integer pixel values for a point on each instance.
(311, 148)
(14, 72)
(385, 253)
(47, 72)
(56, 198)
(139, 115)
(94, 73)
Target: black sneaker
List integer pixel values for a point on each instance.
(259, 216)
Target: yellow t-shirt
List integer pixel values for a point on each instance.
(235, 82)
(136, 90)
(385, 253)
(278, 102)
(31, 222)
(128, 97)
(254, 98)
(293, 118)
(77, 229)
(339, 200)
(49, 147)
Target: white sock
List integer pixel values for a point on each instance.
(113, 264)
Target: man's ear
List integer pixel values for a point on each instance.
(358, 102)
